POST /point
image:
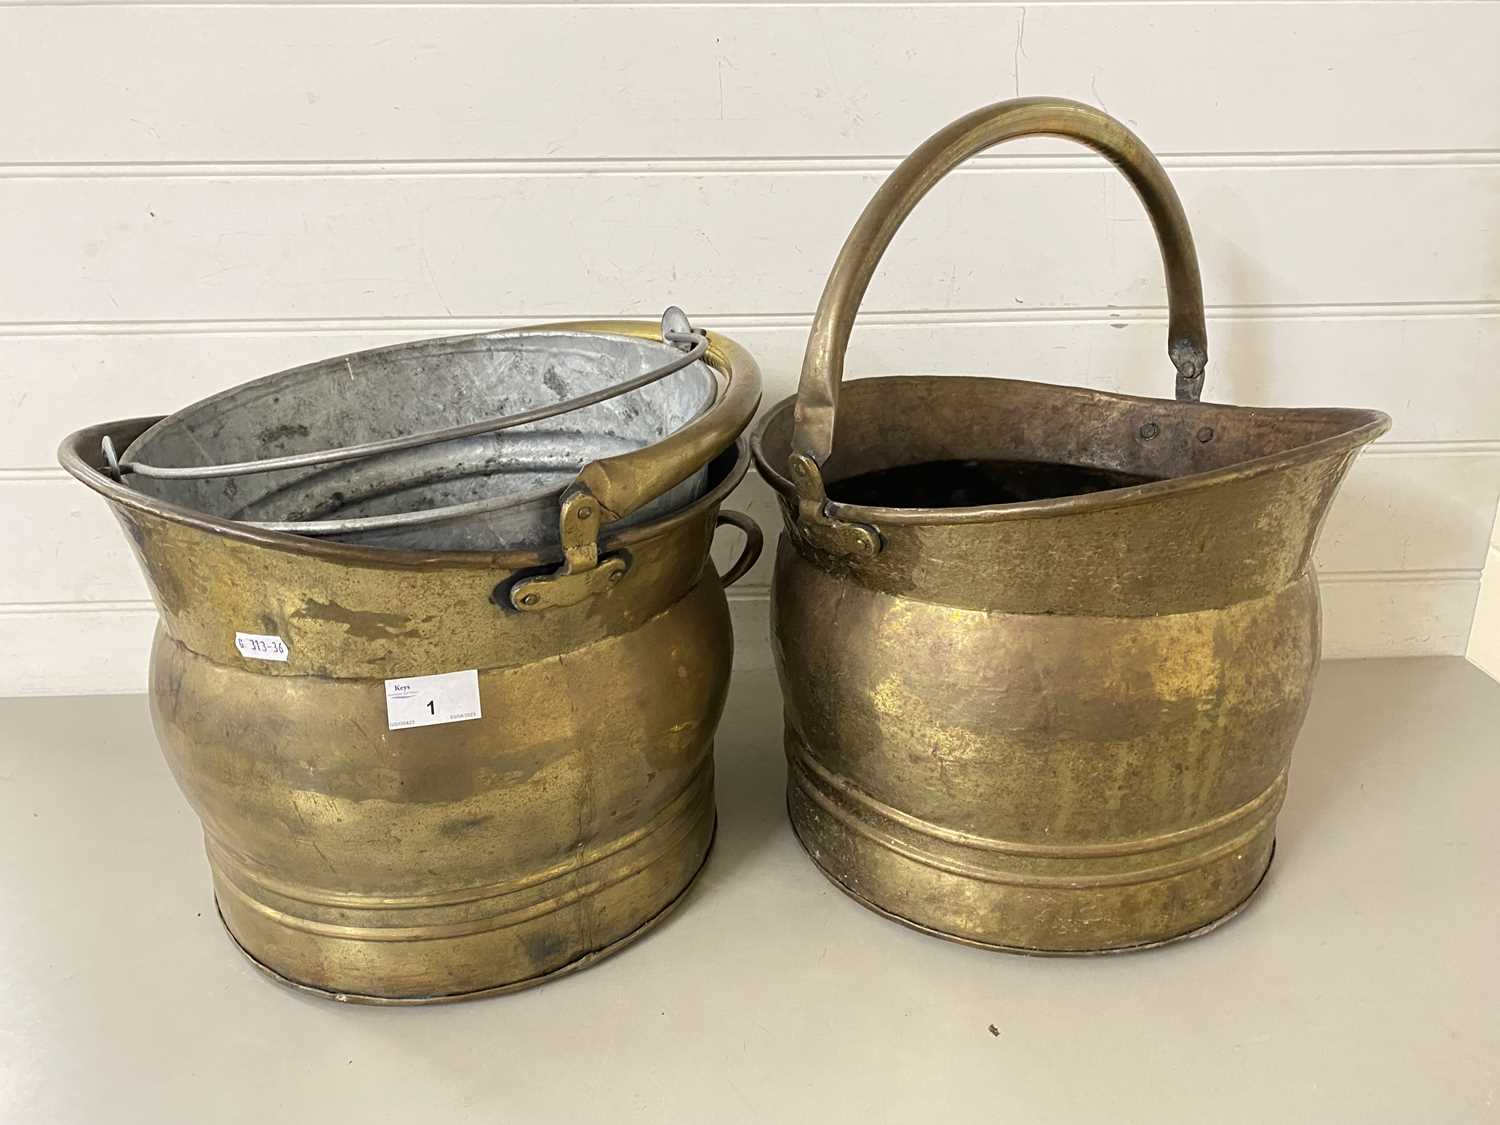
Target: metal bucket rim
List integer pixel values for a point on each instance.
(79, 455)
(448, 513)
(568, 329)
(622, 483)
(1364, 426)
(533, 338)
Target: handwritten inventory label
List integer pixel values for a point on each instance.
(425, 701)
(258, 646)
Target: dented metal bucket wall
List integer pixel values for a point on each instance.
(1059, 725)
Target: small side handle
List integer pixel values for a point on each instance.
(754, 542)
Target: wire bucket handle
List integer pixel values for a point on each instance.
(676, 329)
(823, 363)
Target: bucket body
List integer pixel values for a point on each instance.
(1044, 651)
(1064, 725)
(449, 860)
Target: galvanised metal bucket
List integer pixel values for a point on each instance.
(557, 800)
(345, 447)
(1045, 651)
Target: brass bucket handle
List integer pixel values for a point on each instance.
(823, 364)
(614, 487)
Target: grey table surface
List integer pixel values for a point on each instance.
(1363, 984)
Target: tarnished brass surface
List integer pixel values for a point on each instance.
(1061, 725)
(442, 861)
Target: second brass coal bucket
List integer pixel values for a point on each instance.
(424, 775)
(1045, 651)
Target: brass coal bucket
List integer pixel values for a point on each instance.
(1045, 651)
(362, 851)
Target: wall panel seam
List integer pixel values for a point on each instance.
(975, 317)
(937, 5)
(442, 168)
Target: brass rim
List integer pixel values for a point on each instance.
(78, 455)
(1373, 424)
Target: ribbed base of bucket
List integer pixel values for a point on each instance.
(1025, 951)
(583, 962)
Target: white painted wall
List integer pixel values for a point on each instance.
(1484, 634)
(195, 194)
